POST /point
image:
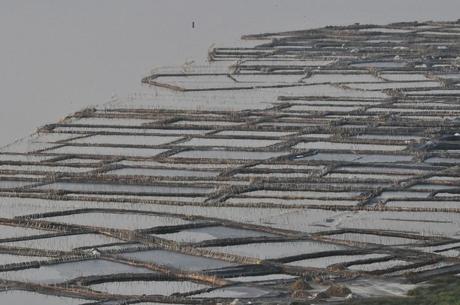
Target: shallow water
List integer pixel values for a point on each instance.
(223, 154)
(63, 272)
(124, 188)
(201, 234)
(277, 249)
(162, 172)
(147, 287)
(18, 297)
(129, 221)
(324, 262)
(64, 243)
(177, 260)
(234, 292)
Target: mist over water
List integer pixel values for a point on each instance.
(57, 57)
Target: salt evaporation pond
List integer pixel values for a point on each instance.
(19, 297)
(148, 287)
(53, 274)
(177, 260)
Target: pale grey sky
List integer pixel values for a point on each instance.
(59, 56)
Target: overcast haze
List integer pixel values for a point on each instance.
(57, 57)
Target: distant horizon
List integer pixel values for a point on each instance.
(57, 58)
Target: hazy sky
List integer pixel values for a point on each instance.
(59, 56)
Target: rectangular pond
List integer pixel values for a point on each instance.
(53, 274)
(177, 260)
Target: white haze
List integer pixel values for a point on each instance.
(59, 56)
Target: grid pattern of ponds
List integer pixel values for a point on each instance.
(329, 153)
